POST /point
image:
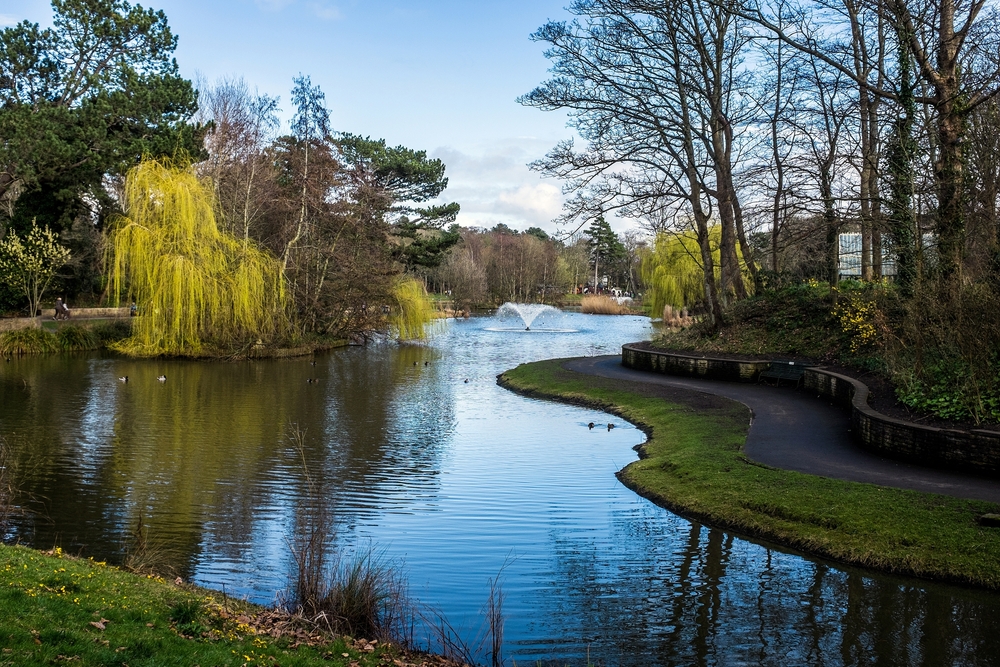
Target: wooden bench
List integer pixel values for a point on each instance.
(784, 370)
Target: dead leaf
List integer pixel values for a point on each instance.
(100, 625)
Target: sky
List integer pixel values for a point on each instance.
(435, 75)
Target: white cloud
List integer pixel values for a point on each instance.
(7, 19)
(540, 201)
(494, 185)
(326, 12)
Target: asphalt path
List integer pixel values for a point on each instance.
(794, 430)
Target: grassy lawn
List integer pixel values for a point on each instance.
(693, 464)
(60, 610)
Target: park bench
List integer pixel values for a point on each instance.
(784, 370)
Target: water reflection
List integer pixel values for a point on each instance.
(453, 479)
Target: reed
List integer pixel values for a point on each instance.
(8, 505)
(146, 556)
(28, 341)
(599, 304)
(76, 337)
(360, 595)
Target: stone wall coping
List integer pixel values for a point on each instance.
(632, 346)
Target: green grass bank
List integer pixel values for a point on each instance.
(693, 464)
(60, 610)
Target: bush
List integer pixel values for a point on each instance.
(28, 341)
(944, 354)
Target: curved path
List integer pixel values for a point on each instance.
(795, 431)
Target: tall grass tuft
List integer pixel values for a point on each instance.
(76, 337)
(28, 341)
(145, 556)
(362, 595)
(599, 304)
(8, 491)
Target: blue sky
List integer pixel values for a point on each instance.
(438, 75)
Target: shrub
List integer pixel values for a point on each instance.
(944, 353)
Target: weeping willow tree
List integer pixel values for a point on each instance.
(194, 285)
(412, 311)
(673, 271)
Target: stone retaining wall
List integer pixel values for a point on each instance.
(977, 450)
(733, 370)
(14, 323)
(88, 313)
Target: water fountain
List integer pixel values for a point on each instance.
(528, 313)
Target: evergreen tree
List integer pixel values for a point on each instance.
(605, 247)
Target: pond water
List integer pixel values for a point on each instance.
(418, 453)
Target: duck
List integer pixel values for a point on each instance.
(466, 380)
(591, 426)
(161, 378)
(310, 380)
(123, 378)
(427, 363)
(312, 363)
(610, 426)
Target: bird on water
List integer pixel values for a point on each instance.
(161, 378)
(123, 378)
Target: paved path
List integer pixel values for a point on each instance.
(795, 431)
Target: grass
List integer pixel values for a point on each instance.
(693, 464)
(55, 609)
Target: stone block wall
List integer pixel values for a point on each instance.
(14, 323)
(977, 450)
(670, 363)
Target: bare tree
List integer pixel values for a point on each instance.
(243, 124)
(650, 87)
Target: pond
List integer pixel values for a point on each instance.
(419, 454)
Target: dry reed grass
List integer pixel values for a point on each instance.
(359, 595)
(599, 304)
(680, 319)
(8, 491)
(148, 557)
